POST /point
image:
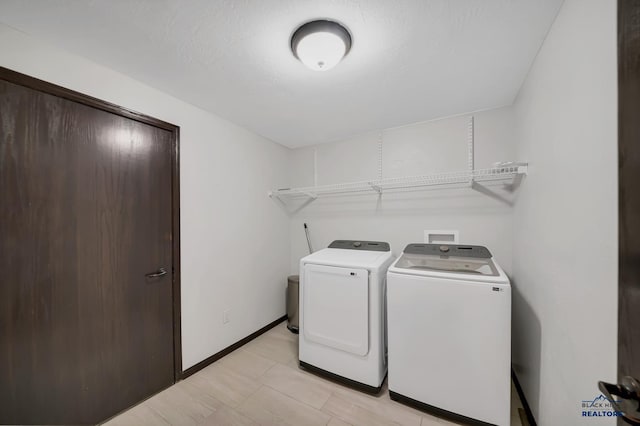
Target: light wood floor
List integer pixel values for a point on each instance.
(261, 384)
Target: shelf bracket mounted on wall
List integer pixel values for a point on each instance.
(508, 187)
(293, 192)
(489, 193)
(483, 189)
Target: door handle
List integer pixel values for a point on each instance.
(624, 397)
(157, 274)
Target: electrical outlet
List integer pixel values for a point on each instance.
(225, 317)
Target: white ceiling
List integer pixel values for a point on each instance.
(412, 60)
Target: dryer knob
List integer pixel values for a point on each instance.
(357, 244)
(444, 249)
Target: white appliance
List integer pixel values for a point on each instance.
(342, 312)
(449, 325)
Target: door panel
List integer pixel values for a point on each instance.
(629, 203)
(86, 212)
(336, 307)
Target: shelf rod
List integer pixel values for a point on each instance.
(470, 146)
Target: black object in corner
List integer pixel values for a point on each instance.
(525, 404)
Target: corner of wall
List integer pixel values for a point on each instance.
(565, 218)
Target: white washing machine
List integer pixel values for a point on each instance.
(449, 325)
(342, 312)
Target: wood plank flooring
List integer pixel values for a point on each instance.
(261, 384)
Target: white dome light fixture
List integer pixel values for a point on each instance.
(320, 44)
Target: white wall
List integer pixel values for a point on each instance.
(235, 240)
(565, 220)
(423, 148)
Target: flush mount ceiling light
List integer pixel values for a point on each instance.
(320, 44)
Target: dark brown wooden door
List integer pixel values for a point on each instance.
(629, 200)
(85, 213)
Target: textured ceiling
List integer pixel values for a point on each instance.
(412, 60)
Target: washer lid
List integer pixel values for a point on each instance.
(469, 263)
(349, 258)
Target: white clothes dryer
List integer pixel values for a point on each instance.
(342, 312)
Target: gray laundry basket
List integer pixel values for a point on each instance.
(293, 291)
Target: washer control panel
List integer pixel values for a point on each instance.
(360, 245)
(449, 250)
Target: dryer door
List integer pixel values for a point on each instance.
(336, 307)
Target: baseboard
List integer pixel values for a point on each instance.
(226, 351)
(525, 404)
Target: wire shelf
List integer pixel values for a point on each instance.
(508, 173)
